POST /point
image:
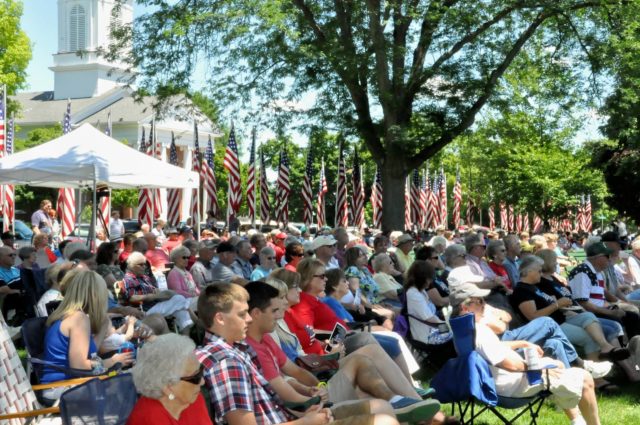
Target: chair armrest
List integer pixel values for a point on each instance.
(30, 413)
(68, 371)
(360, 326)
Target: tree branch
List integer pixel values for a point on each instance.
(468, 117)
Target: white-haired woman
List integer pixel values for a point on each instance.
(267, 257)
(138, 290)
(179, 280)
(168, 376)
(388, 287)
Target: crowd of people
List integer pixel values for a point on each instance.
(248, 315)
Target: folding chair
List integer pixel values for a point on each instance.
(18, 402)
(479, 393)
(100, 402)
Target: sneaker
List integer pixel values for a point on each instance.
(597, 369)
(424, 393)
(411, 410)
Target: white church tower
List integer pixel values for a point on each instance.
(84, 27)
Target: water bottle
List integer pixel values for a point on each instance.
(128, 347)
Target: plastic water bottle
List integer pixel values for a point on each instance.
(128, 347)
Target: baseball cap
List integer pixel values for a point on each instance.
(209, 243)
(611, 237)
(281, 235)
(464, 291)
(596, 249)
(324, 240)
(185, 229)
(462, 275)
(172, 230)
(404, 238)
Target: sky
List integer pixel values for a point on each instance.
(39, 21)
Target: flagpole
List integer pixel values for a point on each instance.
(152, 192)
(2, 187)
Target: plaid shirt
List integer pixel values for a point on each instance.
(236, 383)
(136, 285)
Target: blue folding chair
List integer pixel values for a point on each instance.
(99, 401)
(466, 382)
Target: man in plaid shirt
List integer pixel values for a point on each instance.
(239, 393)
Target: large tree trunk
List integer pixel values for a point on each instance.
(394, 175)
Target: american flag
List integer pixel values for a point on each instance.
(321, 192)
(210, 200)
(588, 223)
(376, 199)
(232, 164)
(251, 179)
(144, 195)
(428, 217)
(537, 224)
(342, 206)
(519, 222)
(414, 199)
(504, 218)
(66, 205)
(174, 196)
(492, 217)
(424, 201)
(470, 212)
(580, 215)
(433, 204)
(105, 211)
(9, 206)
(265, 205)
(442, 180)
(512, 217)
(307, 190)
(526, 224)
(283, 187)
(108, 130)
(407, 204)
(194, 211)
(358, 193)
(457, 200)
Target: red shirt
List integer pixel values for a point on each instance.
(313, 312)
(290, 267)
(502, 273)
(270, 356)
(169, 245)
(305, 334)
(149, 411)
(157, 257)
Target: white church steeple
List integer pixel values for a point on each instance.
(83, 28)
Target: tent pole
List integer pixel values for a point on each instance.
(92, 228)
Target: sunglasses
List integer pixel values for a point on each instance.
(271, 258)
(195, 378)
(10, 255)
(434, 258)
(321, 276)
(185, 258)
(299, 254)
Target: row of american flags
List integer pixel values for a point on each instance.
(425, 193)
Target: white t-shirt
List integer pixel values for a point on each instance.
(419, 305)
(47, 297)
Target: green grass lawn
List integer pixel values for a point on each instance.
(621, 408)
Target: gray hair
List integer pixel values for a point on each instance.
(179, 251)
(472, 240)
(438, 240)
(191, 244)
(529, 263)
(267, 250)
(277, 284)
(493, 248)
(511, 241)
(135, 257)
(453, 251)
(160, 363)
(378, 261)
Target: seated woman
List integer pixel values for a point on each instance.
(76, 328)
(497, 253)
(388, 286)
(311, 312)
(424, 323)
(439, 290)
(138, 290)
(179, 280)
(363, 299)
(606, 337)
(168, 376)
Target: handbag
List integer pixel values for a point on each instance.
(316, 363)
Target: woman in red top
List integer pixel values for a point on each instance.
(169, 377)
(293, 254)
(497, 252)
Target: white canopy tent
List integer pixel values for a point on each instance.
(88, 158)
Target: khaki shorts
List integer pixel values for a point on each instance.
(341, 388)
(356, 412)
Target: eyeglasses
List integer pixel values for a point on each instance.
(321, 276)
(10, 255)
(271, 258)
(434, 258)
(479, 301)
(195, 378)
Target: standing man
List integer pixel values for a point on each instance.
(40, 221)
(116, 227)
